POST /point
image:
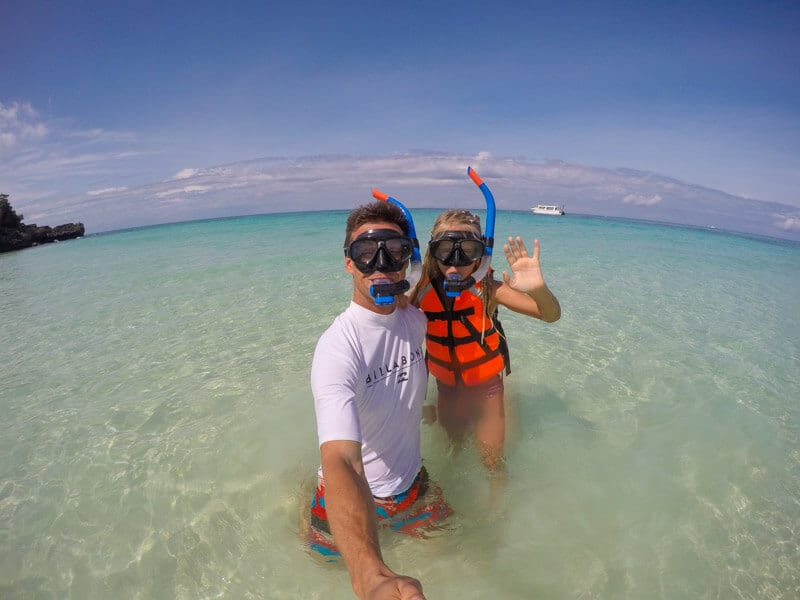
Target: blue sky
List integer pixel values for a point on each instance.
(113, 114)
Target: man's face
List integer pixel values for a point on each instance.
(362, 281)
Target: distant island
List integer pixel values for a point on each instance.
(15, 235)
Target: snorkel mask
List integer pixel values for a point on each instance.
(386, 251)
(463, 248)
(382, 250)
(457, 248)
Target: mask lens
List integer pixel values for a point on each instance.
(456, 251)
(382, 250)
(442, 249)
(399, 248)
(362, 252)
(472, 249)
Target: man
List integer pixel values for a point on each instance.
(369, 381)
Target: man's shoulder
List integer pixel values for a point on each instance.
(343, 331)
(414, 314)
(340, 323)
(355, 318)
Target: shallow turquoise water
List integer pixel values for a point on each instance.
(158, 436)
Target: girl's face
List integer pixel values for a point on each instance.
(463, 272)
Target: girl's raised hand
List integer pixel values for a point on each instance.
(527, 274)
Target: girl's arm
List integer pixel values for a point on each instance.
(525, 291)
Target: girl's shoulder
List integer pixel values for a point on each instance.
(423, 286)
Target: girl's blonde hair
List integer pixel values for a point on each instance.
(449, 220)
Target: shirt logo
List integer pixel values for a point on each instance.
(398, 366)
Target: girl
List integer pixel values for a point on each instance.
(465, 344)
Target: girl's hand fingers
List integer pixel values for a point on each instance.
(516, 248)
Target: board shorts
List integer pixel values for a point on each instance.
(414, 512)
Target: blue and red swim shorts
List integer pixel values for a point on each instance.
(414, 512)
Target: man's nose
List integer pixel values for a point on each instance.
(382, 261)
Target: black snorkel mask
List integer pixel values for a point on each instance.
(457, 248)
(382, 250)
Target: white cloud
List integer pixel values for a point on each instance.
(102, 136)
(184, 190)
(186, 173)
(106, 191)
(642, 200)
(789, 224)
(19, 124)
(48, 161)
(419, 180)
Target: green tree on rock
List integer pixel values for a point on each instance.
(8, 218)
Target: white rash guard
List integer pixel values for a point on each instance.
(369, 381)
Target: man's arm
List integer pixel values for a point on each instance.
(351, 514)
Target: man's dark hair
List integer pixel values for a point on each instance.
(380, 212)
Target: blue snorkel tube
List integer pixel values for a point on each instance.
(454, 287)
(384, 293)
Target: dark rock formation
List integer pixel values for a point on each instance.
(15, 235)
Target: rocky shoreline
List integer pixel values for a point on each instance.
(15, 235)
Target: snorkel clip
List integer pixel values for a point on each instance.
(383, 291)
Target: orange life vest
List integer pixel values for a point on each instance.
(463, 343)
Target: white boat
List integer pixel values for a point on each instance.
(548, 209)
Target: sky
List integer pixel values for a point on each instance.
(126, 114)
